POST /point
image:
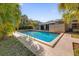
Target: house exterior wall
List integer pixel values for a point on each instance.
(57, 27)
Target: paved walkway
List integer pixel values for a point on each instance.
(63, 47)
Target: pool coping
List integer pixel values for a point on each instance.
(50, 44)
(37, 30)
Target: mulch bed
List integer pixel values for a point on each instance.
(76, 49)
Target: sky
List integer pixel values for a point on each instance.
(41, 11)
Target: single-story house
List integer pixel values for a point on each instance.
(52, 26)
(59, 26)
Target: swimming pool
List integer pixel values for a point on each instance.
(44, 36)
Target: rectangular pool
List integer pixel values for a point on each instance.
(44, 36)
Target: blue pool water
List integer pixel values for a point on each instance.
(44, 36)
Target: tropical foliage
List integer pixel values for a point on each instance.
(27, 23)
(70, 11)
(24, 20)
(9, 18)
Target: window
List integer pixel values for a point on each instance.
(42, 27)
(47, 26)
(74, 25)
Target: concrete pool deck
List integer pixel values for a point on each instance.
(63, 48)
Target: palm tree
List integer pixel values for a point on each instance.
(70, 12)
(9, 18)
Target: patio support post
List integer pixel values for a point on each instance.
(44, 27)
(39, 27)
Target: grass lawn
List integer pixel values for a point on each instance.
(12, 47)
(75, 35)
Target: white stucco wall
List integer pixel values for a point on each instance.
(57, 27)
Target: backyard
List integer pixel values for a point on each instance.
(12, 19)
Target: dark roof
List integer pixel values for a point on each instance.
(52, 21)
